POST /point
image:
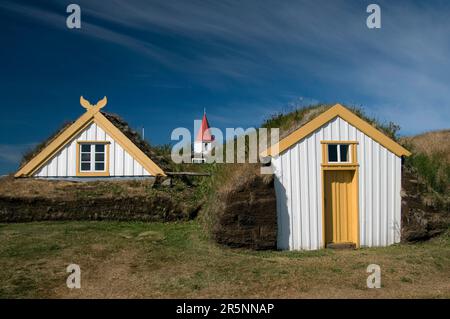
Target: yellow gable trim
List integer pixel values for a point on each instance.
(91, 115)
(127, 145)
(57, 144)
(342, 112)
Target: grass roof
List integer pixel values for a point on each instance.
(152, 152)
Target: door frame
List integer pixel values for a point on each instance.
(353, 165)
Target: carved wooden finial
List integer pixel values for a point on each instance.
(87, 105)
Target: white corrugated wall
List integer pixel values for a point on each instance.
(298, 188)
(63, 164)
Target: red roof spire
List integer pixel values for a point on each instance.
(204, 134)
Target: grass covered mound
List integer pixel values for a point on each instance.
(426, 185)
(431, 163)
(145, 200)
(241, 207)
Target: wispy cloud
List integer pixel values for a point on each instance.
(400, 71)
(57, 20)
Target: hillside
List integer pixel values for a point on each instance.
(430, 164)
(27, 199)
(426, 185)
(435, 142)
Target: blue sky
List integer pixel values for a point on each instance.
(162, 62)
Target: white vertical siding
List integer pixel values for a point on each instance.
(63, 164)
(298, 186)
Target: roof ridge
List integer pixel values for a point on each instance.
(67, 133)
(337, 110)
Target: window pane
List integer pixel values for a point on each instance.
(99, 147)
(99, 157)
(99, 166)
(85, 157)
(85, 166)
(85, 147)
(344, 152)
(332, 153)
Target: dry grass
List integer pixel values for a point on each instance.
(288, 123)
(431, 143)
(30, 199)
(25, 188)
(430, 162)
(138, 260)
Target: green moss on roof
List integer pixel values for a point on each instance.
(291, 121)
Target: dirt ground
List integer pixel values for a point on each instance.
(176, 260)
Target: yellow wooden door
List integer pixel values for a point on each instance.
(339, 207)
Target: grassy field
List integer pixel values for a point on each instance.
(144, 260)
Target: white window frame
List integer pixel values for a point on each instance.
(339, 161)
(92, 160)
